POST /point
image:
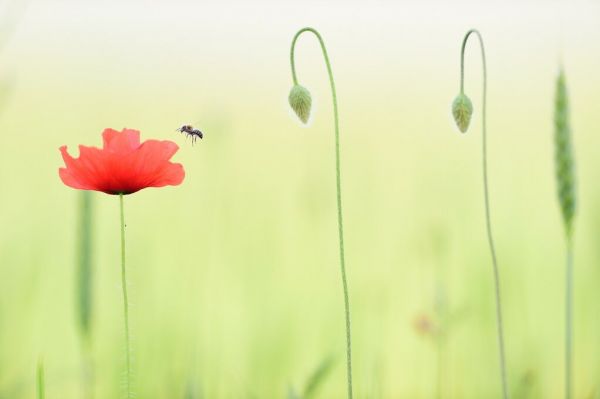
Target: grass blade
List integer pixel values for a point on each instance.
(84, 287)
(40, 380)
(565, 178)
(318, 377)
(84, 266)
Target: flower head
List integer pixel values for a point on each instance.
(123, 165)
(565, 160)
(462, 109)
(300, 101)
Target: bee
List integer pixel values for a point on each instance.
(189, 131)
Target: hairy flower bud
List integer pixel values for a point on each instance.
(300, 101)
(462, 109)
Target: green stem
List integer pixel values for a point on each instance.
(500, 324)
(85, 290)
(338, 190)
(569, 320)
(40, 380)
(84, 266)
(125, 302)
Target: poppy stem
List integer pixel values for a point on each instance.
(500, 324)
(125, 301)
(338, 195)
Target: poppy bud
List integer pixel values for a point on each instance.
(462, 109)
(300, 101)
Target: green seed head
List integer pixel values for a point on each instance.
(300, 101)
(565, 170)
(462, 109)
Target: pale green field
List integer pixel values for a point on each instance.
(234, 275)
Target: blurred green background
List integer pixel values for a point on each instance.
(234, 276)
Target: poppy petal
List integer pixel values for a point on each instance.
(125, 141)
(171, 175)
(123, 165)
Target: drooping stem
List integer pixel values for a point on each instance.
(569, 320)
(500, 324)
(125, 302)
(338, 191)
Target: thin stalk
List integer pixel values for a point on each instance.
(40, 380)
(84, 266)
(500, 324)
(338, 193)
(565, 177)
(125, 302)
(569, 321)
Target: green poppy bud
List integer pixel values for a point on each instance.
(300, 101)
(462, 109)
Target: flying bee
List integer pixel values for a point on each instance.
(190, 131)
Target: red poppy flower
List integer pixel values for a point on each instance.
(123, 165)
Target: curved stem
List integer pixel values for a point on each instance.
(500, 324)
(125, 302)
(569, 320)
(338, 190)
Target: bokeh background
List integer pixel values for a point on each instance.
(234, 275)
